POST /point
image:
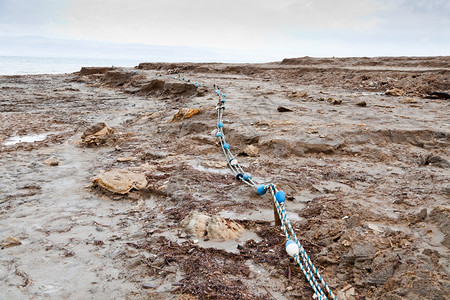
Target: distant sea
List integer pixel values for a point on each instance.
(21, 65)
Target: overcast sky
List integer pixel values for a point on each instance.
(282, 28)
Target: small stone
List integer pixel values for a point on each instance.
(149, 286)
(362, 103)
(51, 162)
(409, 100)
(125, 159)
(11, 242)
(394, 92)
(337, 102)
(284, 109)
(195, 241)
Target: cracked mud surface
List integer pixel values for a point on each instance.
(367, 184)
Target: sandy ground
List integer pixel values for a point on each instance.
(366, 174)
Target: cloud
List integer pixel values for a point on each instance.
(281, 28)
(228, 24)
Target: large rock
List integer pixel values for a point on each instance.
(120, 181)
(212, 227)
(98, 134)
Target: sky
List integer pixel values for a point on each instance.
(272, 29)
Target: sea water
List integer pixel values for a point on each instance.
(21, 65)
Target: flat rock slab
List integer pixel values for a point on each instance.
(120, 181)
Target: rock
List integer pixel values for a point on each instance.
(347, 293)
(160, 88)
(284, 109)
(154, 155)
(438, 95)
(409, 100)
(149, 286)
(419, 217)
(184, 113)
(441, 216)
(211, 227)
(97, 135)
(249, 150)
(125, 159)
(120, 181)
(435, 160)
(10, 241)
(297, 94)
(361, 103)
(93, 70)
(336, 102)
(394, 92)
(51, 161)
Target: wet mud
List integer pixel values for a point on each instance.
(366, 173)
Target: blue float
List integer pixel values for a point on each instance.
(219, 134)
(223, 95)
(223, 100)
(226, 146)
(196, 84)
(220, 124)
(261, 189)
(280, 196)
(247, 176)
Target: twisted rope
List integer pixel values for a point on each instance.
(299, 254)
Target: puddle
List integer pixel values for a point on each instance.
(25, 139)
(222, 171)
(259, 215)
(229, 246)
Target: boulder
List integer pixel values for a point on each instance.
(211, 227)
(120, 181)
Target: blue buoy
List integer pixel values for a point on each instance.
(196, 84)
(219, 134)
(226, 146)
(261, 189)
(239, 176)
(247, 176)
(280, 196)
(223, 100)
(220, 124)
(223, 95)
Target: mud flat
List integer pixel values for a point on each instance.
(360, 145)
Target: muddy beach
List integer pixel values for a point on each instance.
(359, 145)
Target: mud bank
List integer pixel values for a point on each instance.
(367, 184)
